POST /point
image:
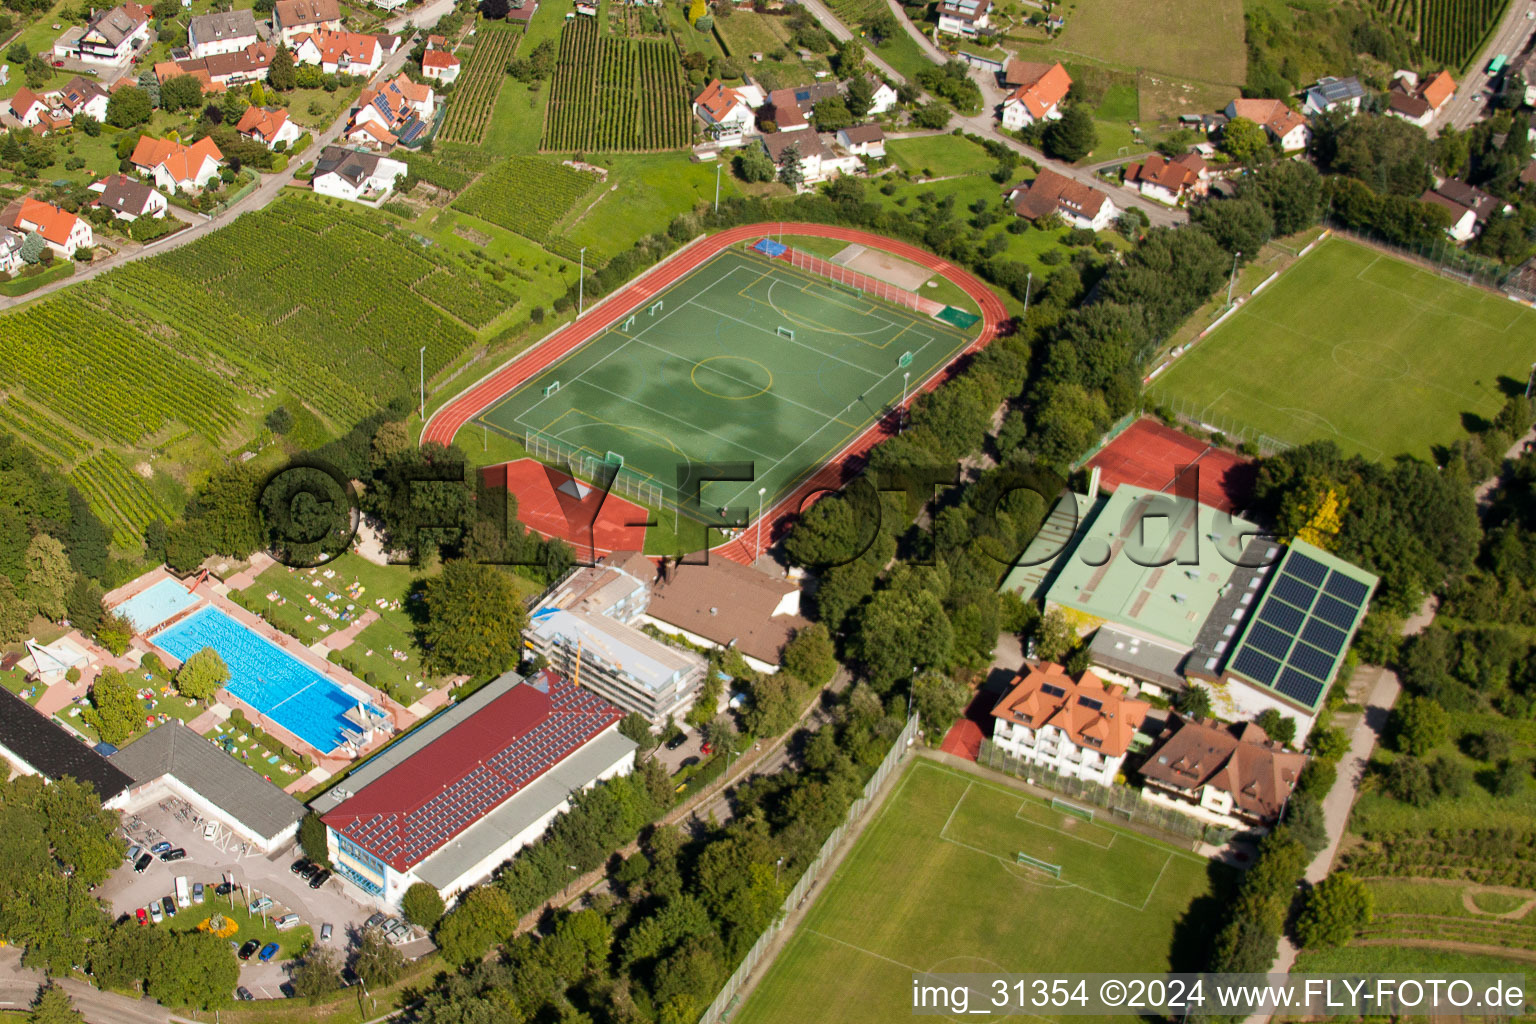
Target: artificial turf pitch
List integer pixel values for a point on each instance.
(749, 361)
(933, 886)
(1352, 345)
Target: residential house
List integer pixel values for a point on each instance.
(84, 96)
(1525, 67)
(1168, 181)
(292, 19)
(964, 17)
(727, 605)
(1080, 728)
(791, 108)
(355, 176)
(28, 107)
(223, 70)
(175, 167)
(1334, 94)
(221, 32)
(1282, 124)
(884, 99)
(439, 66)
(1038, 94)
(268, 126)
(1418, 103)
(394, 103)
(128, 199)
(1469, 207)
(10, 250)
(113, 36)
(522, 12)
(340, 53)
(726, 115)
(62, 230)
(1233, 775)
(806, 145)
(863, 140)
(1081, 206)
(370, 135)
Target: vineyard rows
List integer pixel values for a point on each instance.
(854, 13)
(615, 94)
(324, 304)
(50, 438)
(1450, 31)
(118, 495)
(435, 172)
(474, 97)
(526, 195)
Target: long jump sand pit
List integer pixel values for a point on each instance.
(883, 266)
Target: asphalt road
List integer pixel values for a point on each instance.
(1510, 39)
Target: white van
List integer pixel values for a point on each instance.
(183, 892)
(285, 922)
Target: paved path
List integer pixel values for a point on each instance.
(841, 32)
(1509, 39)
(19, 986)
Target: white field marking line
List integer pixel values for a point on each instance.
(312, 683)
(1296, 415)
(774, 334)
(768, 390)
(675, 419)
(611, 328)
(805, 321)
(866, 952)
(1425, 304)
(1019, 815)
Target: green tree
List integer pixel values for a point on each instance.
(422, 905)
(32, 248)
(932, 115)
(939, 699)
(775, 704)
(53, 1006)
(474, 621)
(832, 114)
(809, 655)
(128, 106)
(902, 631)
(318, 974)
(1073, 136)
(49, 576)
(1238, 225)
(281, 75)
(1336, 908)
(706, 705)
(482, 918)
(791, 171)
(1195, 702)
(115, 711)
(83, 604)
(637, 728)
(181, 92)
(1278, 727)
(1450, 777)
(861, 91)
(376, 960)
(1408, 780)
(1304, 817)
(1055, 638)
(1490, 745)
(1419, 725)
(1509, 778)
(194, 969)
(1245, 141)
(202, 674)
(312, 839)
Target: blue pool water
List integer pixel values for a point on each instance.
(271, 680)
(148, 609)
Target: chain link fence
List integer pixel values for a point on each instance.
(725, 1003)
(589, 467)
(862, 283)
(1233, 431)
(1443, 255)
(1122, 802)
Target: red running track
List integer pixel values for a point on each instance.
(447, 421)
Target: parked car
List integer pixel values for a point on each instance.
(168, 905)
(319, 879)
(285, 922)
(144, 861)
(224, 888)
(325, 932)
(197, 892)
(249, 949)
(268, 952)
(210, 830)
(706, 750)
(243, 994)
(143, 915)
(170, 855)
(155, 913)
(133, 853)
(677, 741)
(160, 847)
(375, 921)
(260, 903)
(302, 865)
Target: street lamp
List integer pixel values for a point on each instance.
(1528, 379)
(760, 492)
(1029, 283)
(717, 185)
(581, 284)
(901, 410)
(422, 363)
(1233, 279)
(776, 870)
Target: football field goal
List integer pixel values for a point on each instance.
(1058, 804)
(1054, 870)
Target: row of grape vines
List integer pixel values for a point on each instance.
(1450, 31)
(118, 496)
(474, 94)
(615, 94)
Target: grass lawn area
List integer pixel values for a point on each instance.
(292, 942)
(236, 740)
(165, 701)
(746, 32)
(332, 596)
(316, 108)
(1349, 344)
(652, 188)
(937, 156)
(375, 651)
(903, 54)
(1121, 102)
(1161, 35)
(933, 885)
(1413, 910)
(518, 120)
(1417, 960)
(1115, 139)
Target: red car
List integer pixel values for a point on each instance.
(143, 915)
(58, 63)
(707, 750)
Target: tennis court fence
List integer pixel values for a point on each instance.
(862, 283)
(585, 466)
(725, 1003)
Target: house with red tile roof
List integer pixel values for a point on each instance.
(1229, 775)
(292, 19)
(128, 199)
(1282, 124)
(223, 70)
(62, 230)
(370, 135)
(28, 107)
(1080, 728)
(1081, 206)
(268, 126)
(1168, 181)
(1038, 94)
(339, 53)
(1419, 102)
(392, 104)
(439, 66)
(84, 96)
(172, 166)
(726, 115)
(449, 802)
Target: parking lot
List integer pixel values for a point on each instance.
(256, 875)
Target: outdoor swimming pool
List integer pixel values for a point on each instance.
(266, 677)
(149, 608)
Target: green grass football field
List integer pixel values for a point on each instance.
(1352, 345)
(746, 361)
(933, 885)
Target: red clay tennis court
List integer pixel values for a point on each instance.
(553, 504)
(1148, 454)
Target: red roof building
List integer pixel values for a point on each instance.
(1079, 727)
(1169, 180)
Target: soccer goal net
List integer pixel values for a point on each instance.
(1066, 808)
(785, 332)
(1054, 870)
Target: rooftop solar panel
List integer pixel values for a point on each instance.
(1269, 640)
(1319, 634)
(1335, 611)
(1256, 666)
(1282, 616)
(1304, 568)
(1347, 589)
(1299, 687)
(1311, 661)
(1293, 591)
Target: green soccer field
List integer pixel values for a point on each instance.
(1352, 345)
(746, 361)
(933, 885)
